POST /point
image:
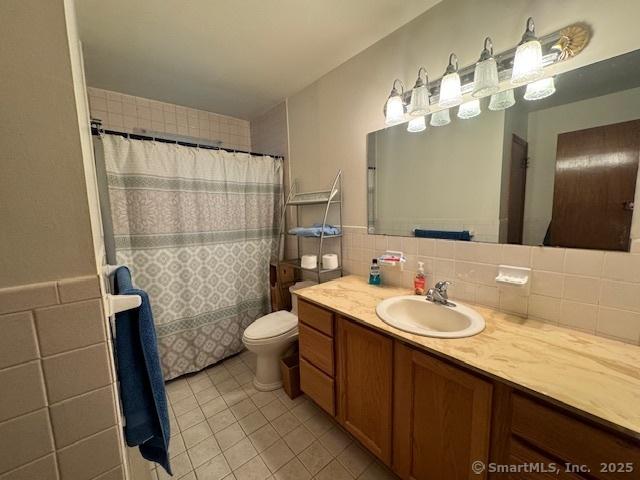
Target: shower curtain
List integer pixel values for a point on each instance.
(197, 228)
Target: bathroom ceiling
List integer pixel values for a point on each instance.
(232, 57)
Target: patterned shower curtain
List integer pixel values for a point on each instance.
(197, 228)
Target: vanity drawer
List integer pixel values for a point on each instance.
(316, 317)
(318, 386)
(317, 348)
(565, 437)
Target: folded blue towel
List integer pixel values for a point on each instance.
(144, 400)
(315, 230)
(443, 234)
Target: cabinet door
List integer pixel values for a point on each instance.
(441, 418)
(365, 371)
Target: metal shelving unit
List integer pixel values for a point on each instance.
(329, 198)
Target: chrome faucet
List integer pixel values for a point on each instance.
(438, 294)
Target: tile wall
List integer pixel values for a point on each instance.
(132, 114)
(593, 291)
(58, 407)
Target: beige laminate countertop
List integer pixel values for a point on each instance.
(594, 375)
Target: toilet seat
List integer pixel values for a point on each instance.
(271, 327)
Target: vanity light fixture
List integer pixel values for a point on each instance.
(485, 75)
(527, 64)
(502, 100)
(417, 124)
(450, 88)
(419, 104)
(540, 89)
(469, 109)
(395, 108)
(440, 118)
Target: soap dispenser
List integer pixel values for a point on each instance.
(419, 283)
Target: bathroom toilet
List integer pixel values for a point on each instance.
(269, 337)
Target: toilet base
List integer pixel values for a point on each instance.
(266, 387)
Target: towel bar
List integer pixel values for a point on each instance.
(119, 303)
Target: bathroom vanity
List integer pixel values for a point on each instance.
(519, 395)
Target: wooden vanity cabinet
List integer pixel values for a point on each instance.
(442, 417)
(527, 430)
(365, 385)
(429, 419)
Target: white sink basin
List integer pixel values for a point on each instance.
(415, 314)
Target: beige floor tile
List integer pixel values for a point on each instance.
(196, 434)
(192, 378)
(335, 441)
(285, 423)
(176, 445)
(234, 396)
(315, 457)
(185, 405)
(214, 406)
(228, 385)
(189, 476)
(334, 471)
(243, 408)
(237, 368)
(219, 375)
(277, 455)
(252, 422)
(203, 451)
(249, 388)
(254, 469)
(240, 453)
(215, 469)
(244, 377)
(221, 420)
(202, 384)
(230, 436)
(289, 403)
(355, 459)
(305, 410)
(273, 410)
(207, 395)
(264, 437)
(189, 419)
(299, 439)
(377, 471)
(320, 423)
(180, 465)
(293, 470)
(263, 398)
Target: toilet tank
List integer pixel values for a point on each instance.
(294, 297)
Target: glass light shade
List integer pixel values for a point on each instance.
(485, 78)
(417, 124)
(440, 118)
(469, 109)
(450, 90)
(395, 110)
(527, 64)
(502, 100)
(540, 89)
(419, 105)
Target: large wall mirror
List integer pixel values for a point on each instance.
(558, 171)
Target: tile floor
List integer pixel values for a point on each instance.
(223, 428)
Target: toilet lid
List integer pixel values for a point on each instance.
(271, 325)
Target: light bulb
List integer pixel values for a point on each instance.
(440, 118)
(469, 109)
(485, 75)
(540, 89)
(450, 88)
(502, 100)
(419, 104)
(417, 124)
(527, 63)
(394, 108)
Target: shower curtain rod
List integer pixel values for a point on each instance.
(96, 129)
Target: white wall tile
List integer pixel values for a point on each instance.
(547, 258)
(584, 262)
(581, 289)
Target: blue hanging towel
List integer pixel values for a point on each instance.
(142, 393)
